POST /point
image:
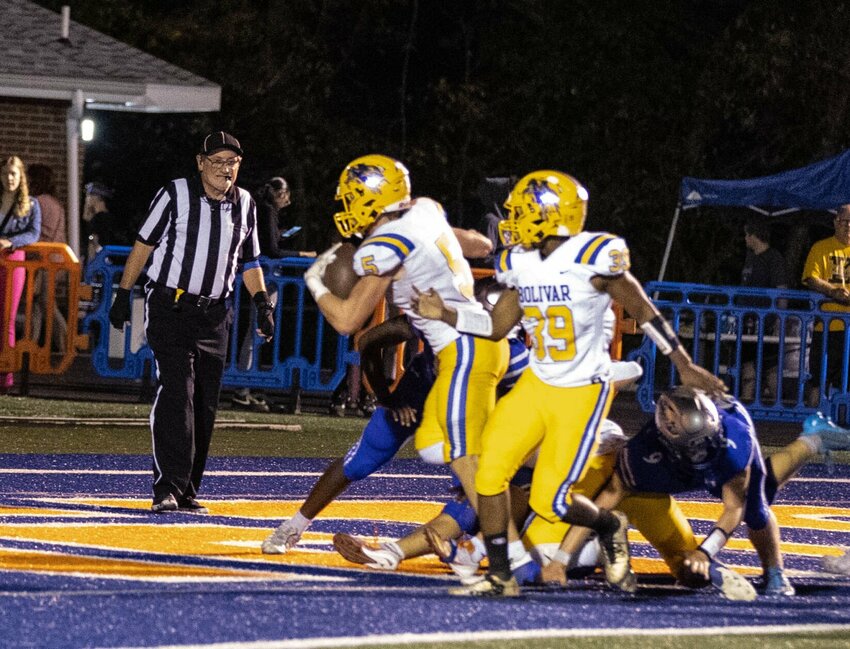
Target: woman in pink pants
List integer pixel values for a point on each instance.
(20, 225)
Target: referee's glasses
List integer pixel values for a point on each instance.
(218, 163)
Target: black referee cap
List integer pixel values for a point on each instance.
(219, 141)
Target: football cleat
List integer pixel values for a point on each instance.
(488, 586)
(616, 558)
(461, 556)
(833, 437)
(284, 538)
(839, 565)
(731, 585)
(775, 583)
(378, 556)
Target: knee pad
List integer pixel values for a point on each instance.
(463, 514)
(432, 454)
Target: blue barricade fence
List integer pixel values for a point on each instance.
(305, 353)
(760, 341)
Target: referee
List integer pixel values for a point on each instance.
(195, 233)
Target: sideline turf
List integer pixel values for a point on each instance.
(320, 436)
(774, 641)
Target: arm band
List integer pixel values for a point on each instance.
(660, 332)
(714, 542)
(474, 322)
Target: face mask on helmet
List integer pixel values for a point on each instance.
(689, 425)
(543, 204)
(368, 187)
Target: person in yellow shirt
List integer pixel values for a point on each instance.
(827, 271)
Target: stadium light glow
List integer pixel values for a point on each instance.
(87, 130)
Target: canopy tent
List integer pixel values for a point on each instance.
(824, 185)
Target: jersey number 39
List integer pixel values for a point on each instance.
(558, 321)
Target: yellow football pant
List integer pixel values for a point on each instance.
(463, 396)
(561, 421)
(657, 516)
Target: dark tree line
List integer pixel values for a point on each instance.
(627, 96)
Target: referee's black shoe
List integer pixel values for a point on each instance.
(189, 505)
(164, 504)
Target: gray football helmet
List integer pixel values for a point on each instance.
(689, 425)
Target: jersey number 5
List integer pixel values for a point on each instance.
(560, 331)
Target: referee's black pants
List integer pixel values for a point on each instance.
(189, 345)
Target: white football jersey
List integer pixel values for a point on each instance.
(563, 314)
(423, 252)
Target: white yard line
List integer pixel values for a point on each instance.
(248, 474)
(532, 634)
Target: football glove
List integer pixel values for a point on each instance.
(265, 314)
(119, 312)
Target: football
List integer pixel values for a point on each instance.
(340, 277)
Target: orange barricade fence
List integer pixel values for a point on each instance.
(47, 317)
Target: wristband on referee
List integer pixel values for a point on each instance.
(474, 322)
(714, 542)
(660, 332)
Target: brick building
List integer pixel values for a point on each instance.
(55, 70)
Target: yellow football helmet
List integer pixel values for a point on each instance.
(368, 187)
(543, 204)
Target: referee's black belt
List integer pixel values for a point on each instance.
(179, 296)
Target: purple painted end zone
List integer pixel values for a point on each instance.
(63, 611)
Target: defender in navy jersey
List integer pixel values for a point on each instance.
(197, 231)
(695, 442)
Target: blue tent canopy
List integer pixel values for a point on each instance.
(823, 185)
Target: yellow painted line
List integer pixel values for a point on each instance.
(797, 516)
(59, 563)
(401, 511)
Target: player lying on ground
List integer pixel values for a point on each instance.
(454, 538)
(695, 442)
(560, 296)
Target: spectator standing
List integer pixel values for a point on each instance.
(43, 187)
(101, 226)
(764, 267)
(272, 198)
(20, 226)
(196, 232)
(827, 271)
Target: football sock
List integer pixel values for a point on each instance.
(814, 442)
(516, 550)
(606, 523)
(300, 522)
(497, 552)
(393, 547)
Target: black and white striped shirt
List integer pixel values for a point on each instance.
(199, 241)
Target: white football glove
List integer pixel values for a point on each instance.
(314, 277)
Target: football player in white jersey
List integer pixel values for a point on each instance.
(408, 243)
(565, 393)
